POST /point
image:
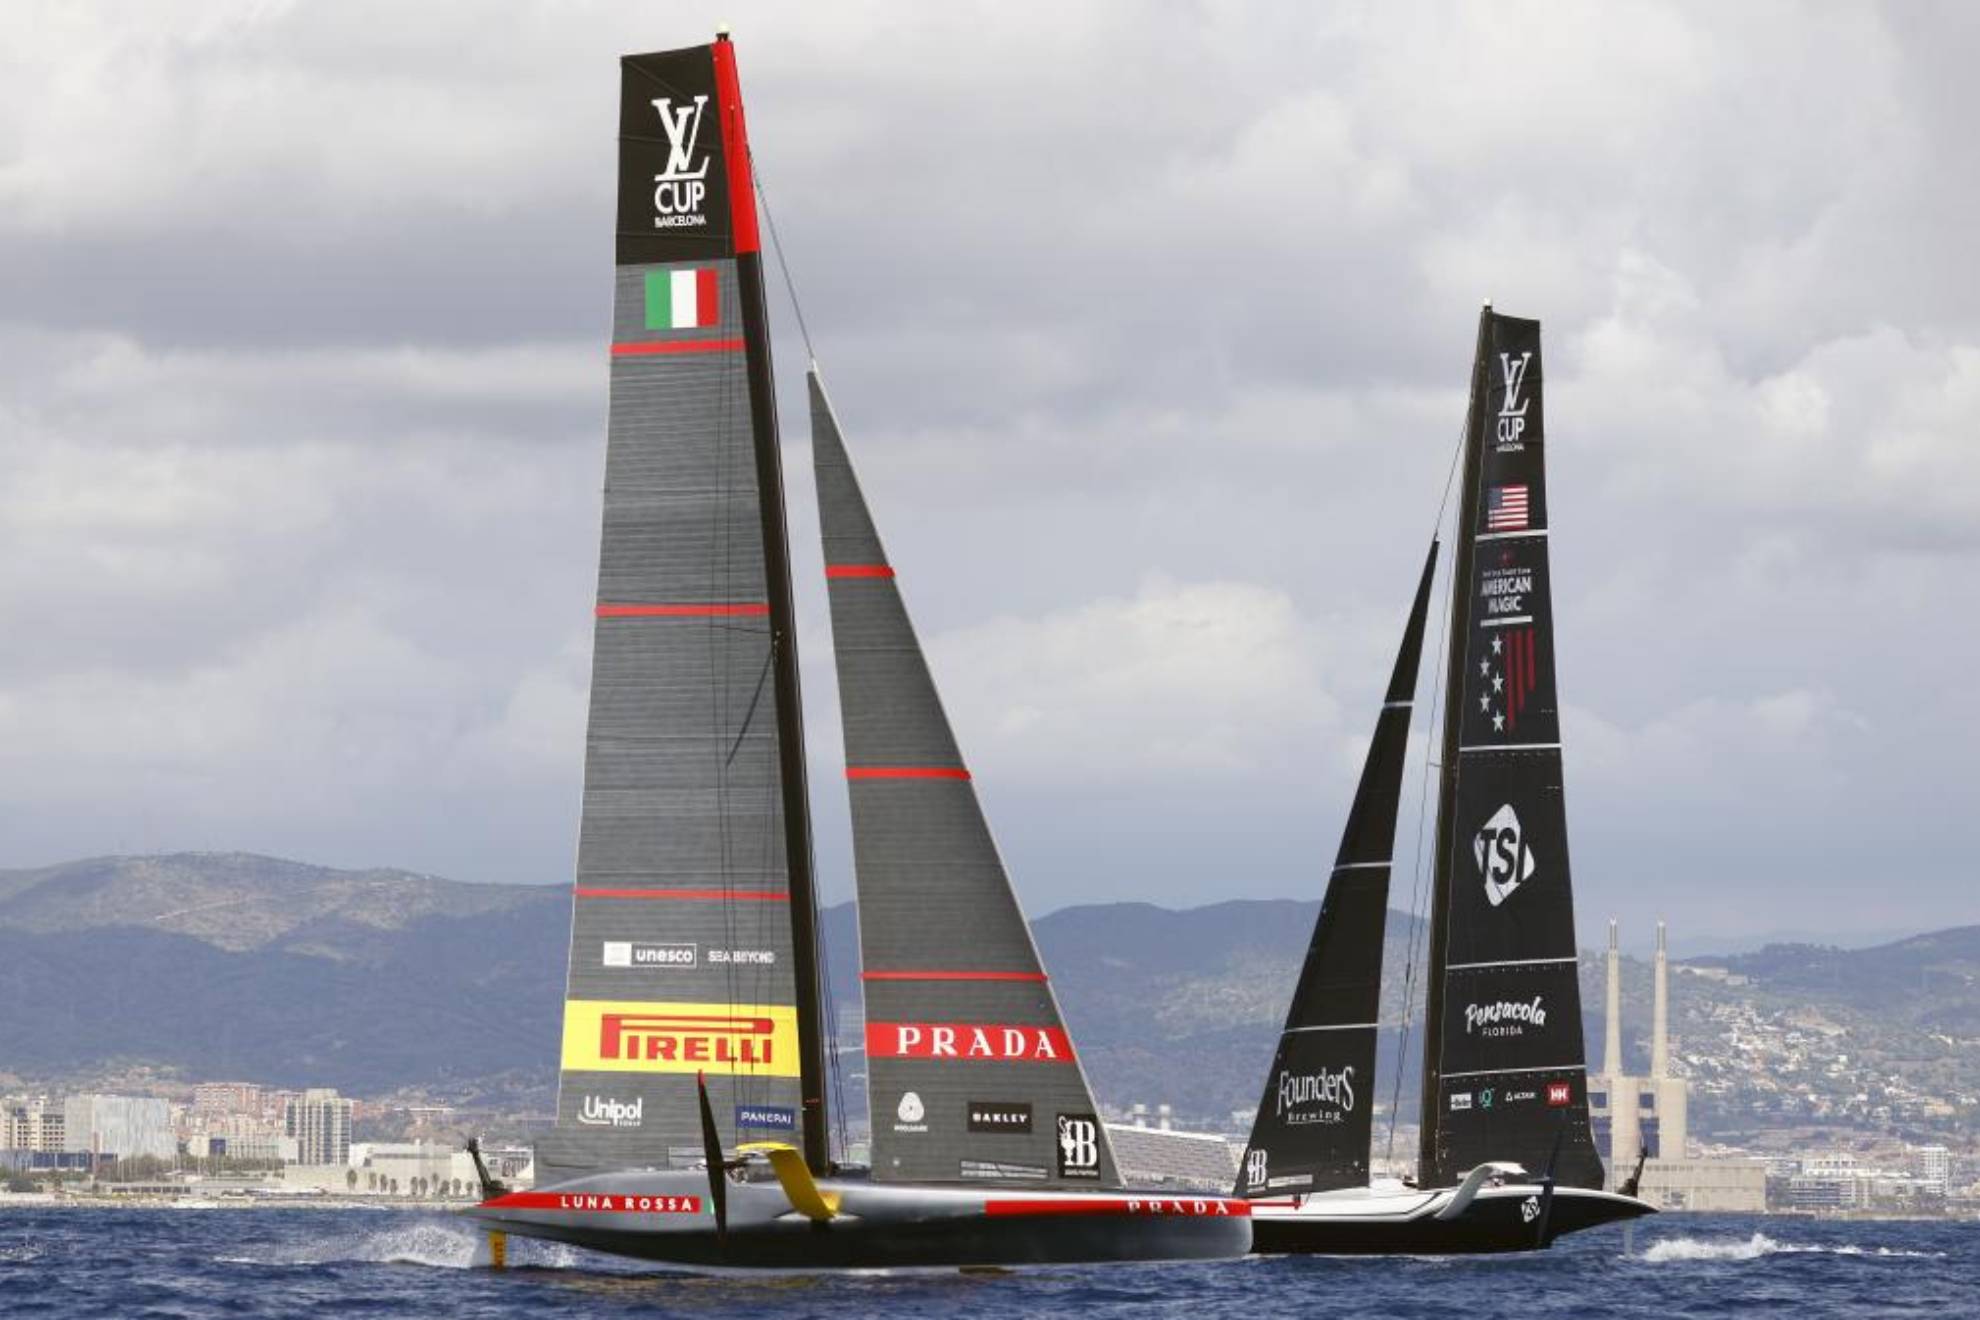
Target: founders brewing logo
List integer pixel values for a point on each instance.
(680, 190)
(1503, 858)
(1079, 1146)
(1505, 1017)
(1318, 1097)
(1512, 411)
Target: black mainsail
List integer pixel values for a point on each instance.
(971, 1075)
(1315, 1121)
(692, 948)
(1504, 1070)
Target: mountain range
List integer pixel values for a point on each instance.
(234, 966)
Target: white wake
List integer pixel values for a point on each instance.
(436, 1245)
(1759, 1245)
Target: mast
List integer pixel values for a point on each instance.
(1447, 778)
(798, 857)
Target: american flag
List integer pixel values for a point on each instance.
(1505, 509)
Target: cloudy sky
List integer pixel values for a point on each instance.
(1149, 327)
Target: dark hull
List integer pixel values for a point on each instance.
(880, 1226)
(1499, 1220)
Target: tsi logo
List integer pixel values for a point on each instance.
(1503, 858)
(1254, 1167)
(910, 1113)
(1512, 412)
(680, 189)
(1079, 1146)
(611, 1113)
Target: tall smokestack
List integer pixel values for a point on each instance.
(1612, 1046)
(1660, 1016)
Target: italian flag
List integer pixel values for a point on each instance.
(680, 299)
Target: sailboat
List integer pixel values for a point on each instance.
(693, 1123)
(1506, 1160)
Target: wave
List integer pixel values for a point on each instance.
(1759, 1245)
(440, 1246)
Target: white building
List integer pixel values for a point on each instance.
(320, 1121)
(120, 1127)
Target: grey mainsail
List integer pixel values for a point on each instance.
(1316, 1118)
(690, 934)
(971, 1075)
(1504, 1062)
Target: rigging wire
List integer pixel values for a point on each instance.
(834, 1072)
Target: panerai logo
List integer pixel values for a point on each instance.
(1512, 412)
(1503, 858)
(1505, 1018)
(611, 1113)
(680, 190)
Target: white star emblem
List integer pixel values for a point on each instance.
(1484, 703)
(1498, 683)
(1498, 723)
(1484, 668)
(1495, 646)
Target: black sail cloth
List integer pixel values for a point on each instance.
(1315, 1121)
(971, 1075)
(1504, 1068)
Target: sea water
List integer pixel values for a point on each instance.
(80, 1262)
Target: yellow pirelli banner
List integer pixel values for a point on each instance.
(603, 1035)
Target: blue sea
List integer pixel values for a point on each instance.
(79, 1262)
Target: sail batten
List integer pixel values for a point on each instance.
(972, 1077)
(1316, 1118)
(1504, 1064)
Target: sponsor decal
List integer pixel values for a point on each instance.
(999, 1116)
(743, 957)
(609, 1202)
(1520, 1097)
(992, 1042)
(597, 1112)
(909, 1114)
(1485, 1098)
(1504, 861)
(625, 953)
(1512, 409)
(1505, 509)
(682, 299)
(1504, 592)
(1559, 1093)
(1314, 1098)
(775, 1117)
(1180, 1207)
(604, 1035)
(1255, 1161)
(1094, 1205)
(1529, 1209)
(1510, 673)
(1079, 1146)
(1505, 1017)
(1460, 1100)
(999, 1169)
(681, 189)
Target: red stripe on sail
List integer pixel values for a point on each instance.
(858, 571)
(1191, 1207)
(905, 772)
(648, 347)
(952, 976)
(735, 147)
(711, 611)
(704, 895)
(705, 302)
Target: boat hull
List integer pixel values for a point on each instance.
(1498, 1219)
(664, 1217)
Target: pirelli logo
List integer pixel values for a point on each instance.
(613, 1036)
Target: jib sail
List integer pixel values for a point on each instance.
(971, 1075)
(1316, 1118)
(1505, 1074)
(691, 934)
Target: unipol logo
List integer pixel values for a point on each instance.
(1503, 858)
(680, 190)
(597, 1112)
(1512, 412)
(1079, 1146)
(1254, 1167)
